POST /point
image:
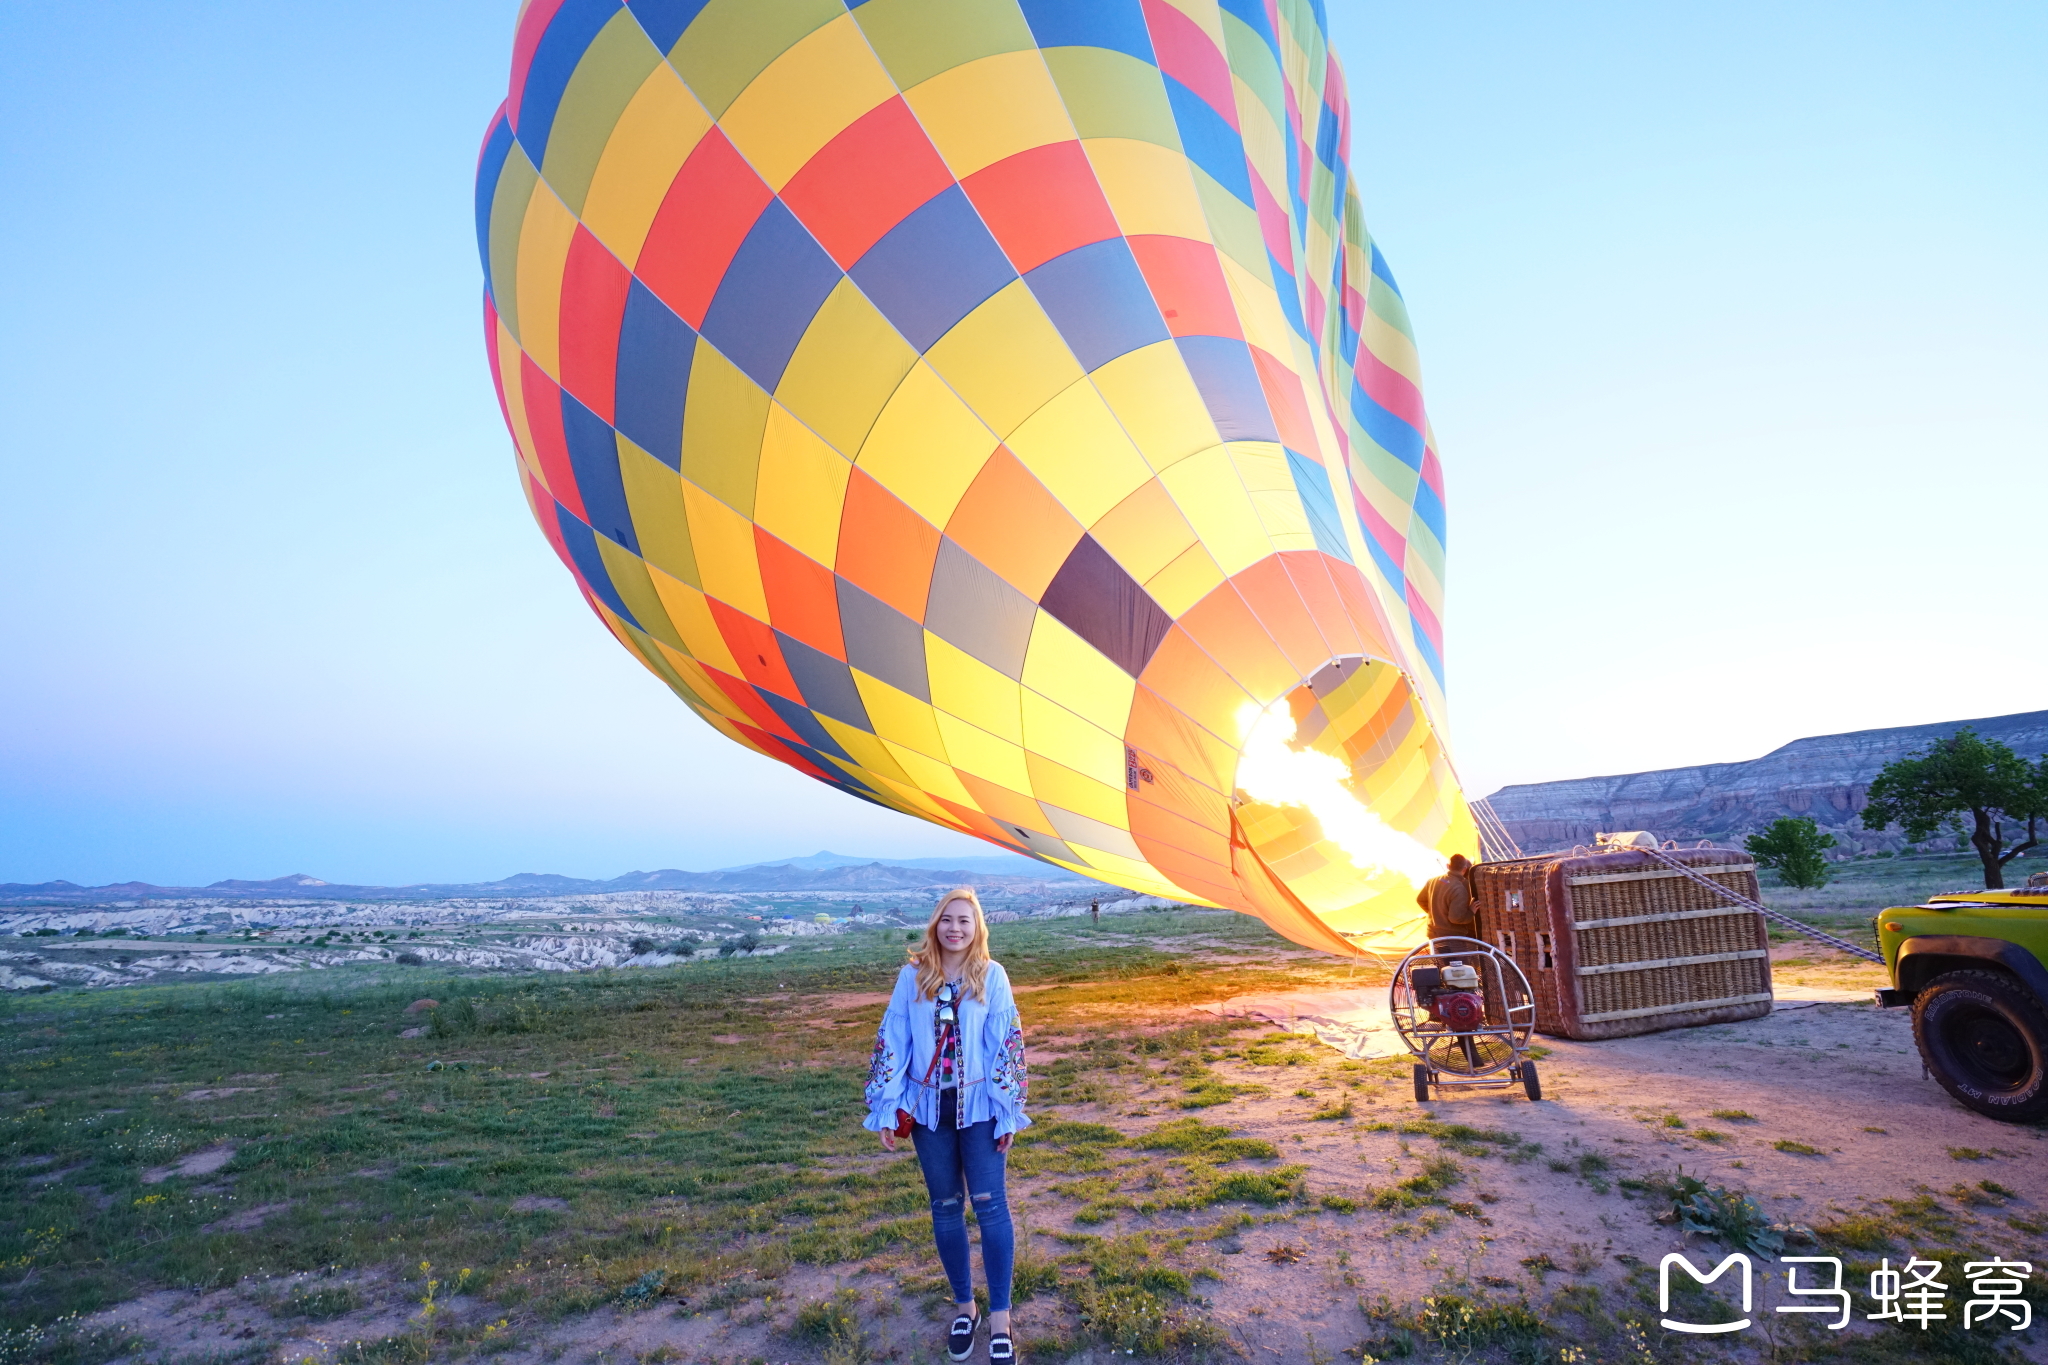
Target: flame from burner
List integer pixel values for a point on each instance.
(1270, 769)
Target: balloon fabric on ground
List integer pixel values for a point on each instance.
(995, 409)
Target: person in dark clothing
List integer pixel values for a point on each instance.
(1448, 901)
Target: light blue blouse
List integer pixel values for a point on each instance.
(993, 1080)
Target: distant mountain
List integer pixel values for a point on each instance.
(1826, 777)
(818, 872)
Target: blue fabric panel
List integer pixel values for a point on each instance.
(826, 683)
(490, 166)
(1388, 567)
(663, 21)
(655, 349)
(554, 61)
(1209, 142)
(582, 545)
(1229, 384)
(1312, 482)
(1289, 291)
(1097, 297)
(1118, 25)
(1382, 269)
(1428, 652)
(1327, 130)
(798, 718)
(1393, 433)
(933, 268)
(1429, 510)
(594, 455)
(769, 295)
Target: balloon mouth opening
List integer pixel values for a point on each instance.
(1312, 781)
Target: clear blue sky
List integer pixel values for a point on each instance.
(1731, 320)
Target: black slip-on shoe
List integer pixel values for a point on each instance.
(960, 1337)
(1000, 1351)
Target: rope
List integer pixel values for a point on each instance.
(1796, 926)
(1494, 840)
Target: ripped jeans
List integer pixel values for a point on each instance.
(957, 1159)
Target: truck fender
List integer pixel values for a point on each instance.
(1926, 956)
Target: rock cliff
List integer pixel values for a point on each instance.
(1826, 777)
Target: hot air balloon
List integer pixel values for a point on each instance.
(995, 409)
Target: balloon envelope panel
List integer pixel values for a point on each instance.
(995, 409)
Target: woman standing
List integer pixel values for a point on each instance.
(948, 1072)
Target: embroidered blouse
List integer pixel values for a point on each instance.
(989, 1068)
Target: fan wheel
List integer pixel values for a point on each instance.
(1422, 1085)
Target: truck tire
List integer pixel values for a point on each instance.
(1985, 1037)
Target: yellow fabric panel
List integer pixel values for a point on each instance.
(927, 445)
(691, 616)
(1158, 403)
(849, 361)
(1392, 346)
(1057, 735)
(915, 800)
(1078, 450)
(689, 678)
(933, 776)
(989, 757)
(901, 718)
(629, 577)
(968, 688)
(867, 750)
(1133, 874)
(1233, 224)
(1258, 308)
(983, 111)
(1210, 495)
(805, 98)
(611, 70)
(1264, 145)
(1058, 785)
(1060, 665)
(725, 553)
(1149, 188)
(655, 135)
(515, 401)
(918, 39)
(508, 215)
(543, 249)
(1262, 465)
(1145, 532)
(802, 487)
(1111, 94)
(731, 41)
(1006, 358)
(726, 417)
(654, 496)
(1186, 581)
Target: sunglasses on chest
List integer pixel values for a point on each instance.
(946, 1000)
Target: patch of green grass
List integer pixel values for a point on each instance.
(1797, 1148)
(1968, 1154)
(1733, 1115)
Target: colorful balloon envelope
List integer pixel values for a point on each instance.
(995, 409)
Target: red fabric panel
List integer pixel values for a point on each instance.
(803, 597)
(1274, 226)
(885, 548)
(979, 825)
(755, 650)
(544, 420)
(1186, 54)
(866, 181)
(525, 41)
(594, 288)
(710, 206)
(749, 702)
(491, 350)
(1041, 203)
(1187, 281)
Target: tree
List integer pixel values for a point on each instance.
(1794, 849)
(1964, 775)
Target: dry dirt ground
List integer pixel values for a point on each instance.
(1821, 1114)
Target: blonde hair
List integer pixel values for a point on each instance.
(931, 973)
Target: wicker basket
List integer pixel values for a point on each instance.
(1616, 944)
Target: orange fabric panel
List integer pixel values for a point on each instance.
(884, 547)
(1162, 728)
(1311, 574)
(1272, 596)
(1000, 802)
(1009, 522)
(1225, 627)
(977, 823)
(803, 596)
(1364, 607)
(1289, 404)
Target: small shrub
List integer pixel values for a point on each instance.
(1726, 1214)
(1734, 1115)
(1968, 1154)
(1796, 1148)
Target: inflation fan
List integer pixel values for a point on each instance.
(1465, 1011)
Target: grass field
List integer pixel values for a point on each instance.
(568, 1148)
